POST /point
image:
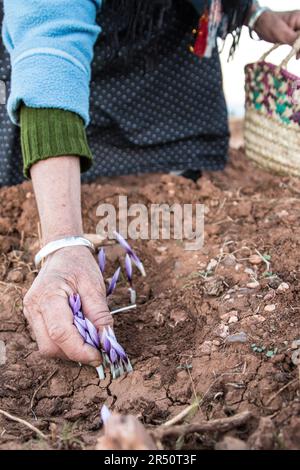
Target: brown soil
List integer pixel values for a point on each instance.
(177, 337)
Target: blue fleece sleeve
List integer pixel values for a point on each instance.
(51, 48)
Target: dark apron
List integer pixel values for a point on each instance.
(168, 116)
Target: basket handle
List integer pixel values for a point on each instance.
(294, 51)
(266, 54)
(284, 63)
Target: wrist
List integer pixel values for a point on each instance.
(62, 243)
(54, 233)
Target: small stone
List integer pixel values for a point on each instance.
(233, 319)
(238, 266)
(3, 357)
(270, 295)
(178, 316)
(237, 338)
(229, 260)
(222, 331)
(255, 259)
(253, 284)
(226, 316)
(249, 271)
(214, 287)
(295, 344)
(15, 276)
(283, 287)
(282, 214)
(296, 357)
(259, 318)
(270, 308)
(212, 265)
(205, 348)
(216, 342)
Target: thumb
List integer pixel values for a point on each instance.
(94, 304)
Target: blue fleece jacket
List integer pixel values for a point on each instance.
(51, 47)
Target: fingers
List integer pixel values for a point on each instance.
(294, 21)
(46, 346)
(286, 35)
(94, 304)
(58, 319)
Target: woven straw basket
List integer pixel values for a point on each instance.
(272, 120)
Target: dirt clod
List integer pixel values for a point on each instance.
(193, 330)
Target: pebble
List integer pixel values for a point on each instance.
(15, 276)
(212, 265)
(226, 316)
(295, 344)
(237, 338)
(270, 295)
(255, 259)
(296, 357)
(229, 260)
(233, 319)
(205, 348)
(253, 284)
(283, 287)
(222, 331)
(270, 308)
(214, 287)
(2, 353)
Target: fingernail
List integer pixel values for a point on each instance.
(96, 363)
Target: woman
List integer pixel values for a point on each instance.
(156, 100)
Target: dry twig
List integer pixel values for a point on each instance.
(25, 423)
(220, 425)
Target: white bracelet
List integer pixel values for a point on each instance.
(255, 16)
(61, 243)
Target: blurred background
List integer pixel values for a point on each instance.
(250, 51)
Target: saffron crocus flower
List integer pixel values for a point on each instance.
(105, 414)
(114, 354)
(128, 269)
(113, 282)
(85, 327)
(130, 252)
(102, 260)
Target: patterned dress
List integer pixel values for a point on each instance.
(168, 116)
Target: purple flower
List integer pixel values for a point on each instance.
(114, 350)
(84, 326)
(130, 252)
(128, 268)
(113, 282)
(102, 260)
(105, 414)
(75, 303)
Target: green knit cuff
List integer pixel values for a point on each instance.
(47, 133)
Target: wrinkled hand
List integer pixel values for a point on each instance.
(279, 27)
(46, 305)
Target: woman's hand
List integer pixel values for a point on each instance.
(71, 270)
(279, 27)
(46, 306)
